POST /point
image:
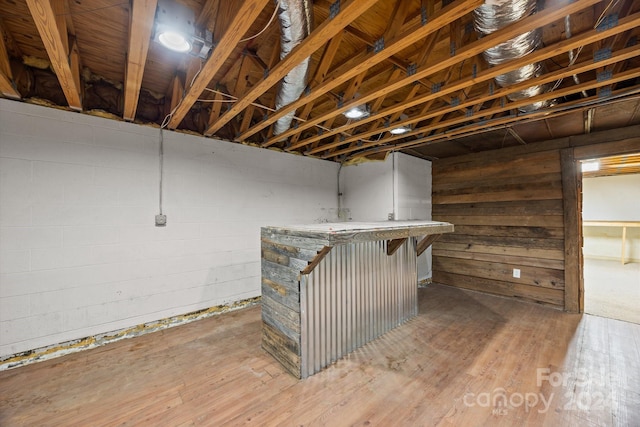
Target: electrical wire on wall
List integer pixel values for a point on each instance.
(161, 219)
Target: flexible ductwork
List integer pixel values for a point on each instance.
(496, 14)
(295, 24)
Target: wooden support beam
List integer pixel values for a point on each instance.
(315, 261)
(571, 183)
(532, 22)
(465, 53)
(549, 77)
(327, 30)
(216, 107)
(362, 62)
(140, 27)
(320, 73)
(246, 15)
(493, 124)
(394, 245)
(53, 32)
(426, 242)
(515, 135)
(7, 85)
(588, 119)
(208, 11)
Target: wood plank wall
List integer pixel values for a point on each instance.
(507, 214)
(519, 207)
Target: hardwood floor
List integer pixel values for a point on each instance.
(467, 359)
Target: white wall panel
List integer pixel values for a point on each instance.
(611, 198)
(79, 252)
(401, 185)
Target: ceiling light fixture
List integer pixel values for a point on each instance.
(175, 30)
(400, 130)
(357, 112)
(174, 41)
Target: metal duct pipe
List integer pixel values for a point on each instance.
(496, 14)
(295, 24)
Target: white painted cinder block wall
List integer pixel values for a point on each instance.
(79, 252)
(611, 198)
(401, 185)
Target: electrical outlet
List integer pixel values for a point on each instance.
(516, 273)
(161, 220)
(391, 217)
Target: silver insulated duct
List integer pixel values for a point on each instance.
(295, 24)
(496, 14)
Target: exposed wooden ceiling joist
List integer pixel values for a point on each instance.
(563, 46)
(413, 63)
(142, 16)
(242, 21)
(7, 85)
(50, 18)
(365, 62)
(467, 52)
(497, 123)
(326, 31)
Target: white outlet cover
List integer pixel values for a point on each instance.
(516, 273)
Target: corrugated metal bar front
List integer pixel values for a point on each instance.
(354, 295)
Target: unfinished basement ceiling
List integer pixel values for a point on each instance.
(411, 62)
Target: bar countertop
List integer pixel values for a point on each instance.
(345, 232)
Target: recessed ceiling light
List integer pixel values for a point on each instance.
(400, 130)
(356, 113)
(174, 41)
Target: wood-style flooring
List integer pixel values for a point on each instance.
(467, 359)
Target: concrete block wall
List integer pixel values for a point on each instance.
(79, 252)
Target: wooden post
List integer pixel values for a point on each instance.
(571, 188)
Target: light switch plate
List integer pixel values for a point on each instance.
(516, 273)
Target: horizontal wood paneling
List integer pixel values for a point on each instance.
(533, 276)
(508, 214)
(555, 244)
(489, 168)
(512, 208)
(509, 220)
(505, 259)
(500, 250)
(547, 296)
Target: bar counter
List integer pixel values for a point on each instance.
(330, 288)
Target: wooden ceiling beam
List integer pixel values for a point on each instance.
(242, 21)
(490, 73)
(516, 136)
(593, 84)
(325, 31)
(216, 107)
(320, 73)
(493, 125)
(483, 127)
(50, 20)
(366, 61)
(140, 28)
(440, 113)
(209, 10)
(537, 20)
(7, 85)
